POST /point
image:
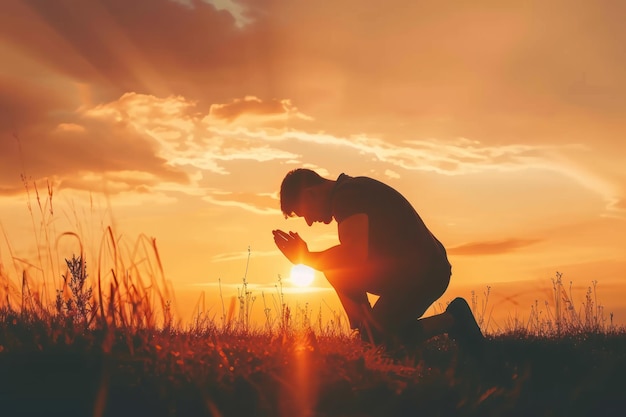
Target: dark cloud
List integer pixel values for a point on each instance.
(146, 46)
(24, 104)
(496, 247)
(70, 151)
(487, 70)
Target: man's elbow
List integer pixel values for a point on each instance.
(358, 253)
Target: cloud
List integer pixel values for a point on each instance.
(112, 183)
(84, 156)
(117, 47)
(234, 8)
(254, 203)
(321, 171)
(135, 143)
(391, 174)
(165, 140)
(70, 127)
(619, 204)
(460, 156)
(256, 109)
(185, 137)
(496, 247)
(463, 156)
(462, 71)
(22, 104)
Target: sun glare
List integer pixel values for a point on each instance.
(302, 275)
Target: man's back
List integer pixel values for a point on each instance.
(395, 228)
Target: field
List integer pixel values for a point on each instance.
(83, 358)
(48, 370)
(101, 340)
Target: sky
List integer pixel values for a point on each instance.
(502, 123)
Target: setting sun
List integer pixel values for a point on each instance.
(302, 275)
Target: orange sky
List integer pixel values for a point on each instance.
(502, 124)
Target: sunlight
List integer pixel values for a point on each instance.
(302, 275)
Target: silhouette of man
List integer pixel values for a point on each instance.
(385, 249)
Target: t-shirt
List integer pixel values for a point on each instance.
(395, 228)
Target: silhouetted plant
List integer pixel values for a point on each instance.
(480, 313)
(80, 305)
(246, 300)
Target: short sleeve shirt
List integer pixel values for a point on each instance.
(395, 228)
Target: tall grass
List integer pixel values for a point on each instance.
(70, 288)
(555, 317)
(120, 285)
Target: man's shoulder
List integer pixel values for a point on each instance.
(355, 192)
(345, 180)
(361, 185)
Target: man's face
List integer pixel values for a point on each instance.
(313, 207)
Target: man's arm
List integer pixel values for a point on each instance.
(353, 247)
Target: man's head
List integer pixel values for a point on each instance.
(303, 194)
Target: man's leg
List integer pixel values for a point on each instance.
(457, 321)
(355, 305)
(398, 310)
(353, 300)
(417, 331)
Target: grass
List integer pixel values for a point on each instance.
(99, 338)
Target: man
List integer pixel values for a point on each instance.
(385, 249)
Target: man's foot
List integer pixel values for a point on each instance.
(465, 330)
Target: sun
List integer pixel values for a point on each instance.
(302, 275)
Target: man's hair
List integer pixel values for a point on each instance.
(293, 184)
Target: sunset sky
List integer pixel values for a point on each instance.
(502, 123)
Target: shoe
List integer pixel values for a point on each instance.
(465, 330)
